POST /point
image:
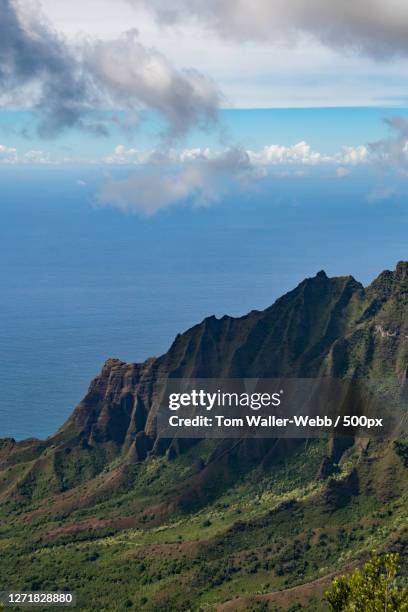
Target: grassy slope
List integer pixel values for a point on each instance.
(275, 528)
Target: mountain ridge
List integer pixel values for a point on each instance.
(322, 327)
(207, 520)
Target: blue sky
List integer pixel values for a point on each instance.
(325, 129)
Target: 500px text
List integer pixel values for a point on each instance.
(273, 421)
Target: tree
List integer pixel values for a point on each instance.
(372, 589)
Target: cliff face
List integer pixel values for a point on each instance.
(328, 326)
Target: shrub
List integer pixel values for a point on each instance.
(372, 589)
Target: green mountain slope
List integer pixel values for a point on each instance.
(128, 520)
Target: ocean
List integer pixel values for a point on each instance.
(80, 283)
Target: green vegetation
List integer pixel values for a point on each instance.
(275, 529)
(372, 589)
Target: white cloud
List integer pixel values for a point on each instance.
(342, 172)
(135, 78)
(160, 184)
(35, 157)
(192, 154)
(302, 153)
(379, 195)
(374, 27)
(127, 156)
(299, 153)
(122, 156)
(355, 155)
(10, 155)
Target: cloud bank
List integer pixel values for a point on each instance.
(10, 155)
(300, 153)
(374, 27)
(66, 84)
(202, 176)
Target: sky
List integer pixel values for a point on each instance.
(194, 97)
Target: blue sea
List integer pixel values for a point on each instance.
(80, 283)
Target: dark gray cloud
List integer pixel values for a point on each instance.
(376, 27)
(66, 84)
(31, 54)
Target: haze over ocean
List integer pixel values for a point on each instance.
(81, 284)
